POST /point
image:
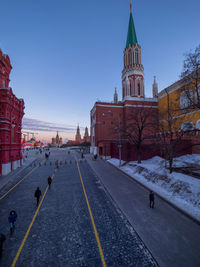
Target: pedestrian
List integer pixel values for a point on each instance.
(57, 163)
(151, 199)
(2, 239)
(12, 219)
(49, 181)
(38, 193)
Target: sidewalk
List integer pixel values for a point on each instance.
(172, 238)
(12, 176)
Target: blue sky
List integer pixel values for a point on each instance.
(68, 54)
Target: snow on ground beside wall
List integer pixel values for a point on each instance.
(180, 189)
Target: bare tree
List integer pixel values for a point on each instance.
(140, 125)
(170, 134)
(191, 75)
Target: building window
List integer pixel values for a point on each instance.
(13, 133)
(186, 99)
(4, 81)
(187, 126)
(197, 94)
(130, 86)
(198, 124)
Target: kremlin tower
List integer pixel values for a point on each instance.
(155, 88)
(86, 136)
(107, 117)
(133, 71)
(78, 135)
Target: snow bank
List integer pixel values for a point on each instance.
(180, 189)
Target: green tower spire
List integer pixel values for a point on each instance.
(131, 36)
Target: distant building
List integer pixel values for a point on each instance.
(56, 141)
(11, 113)
(78, 140)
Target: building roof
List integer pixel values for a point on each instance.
(131, 36)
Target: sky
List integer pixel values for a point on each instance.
(68, 54)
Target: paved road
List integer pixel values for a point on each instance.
(63, 234)
(173, 238)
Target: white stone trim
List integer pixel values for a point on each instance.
(1, 121)
(93, 150)
(140, 99)
(198, 124)
(6, 168)
(133, 72)
(140, 106)
(108, 106)
(18, 163)
(14, 165)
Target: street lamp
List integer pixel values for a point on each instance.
(119, 142)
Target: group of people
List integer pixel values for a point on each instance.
(38, 192)
(13, 215)
(11, 219)
(47, 155)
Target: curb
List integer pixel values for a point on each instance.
(161, 197)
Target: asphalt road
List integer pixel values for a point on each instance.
(64, 232)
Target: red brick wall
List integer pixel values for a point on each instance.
(11, 113)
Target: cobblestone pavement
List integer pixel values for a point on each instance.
(172, 237)
(62, 234)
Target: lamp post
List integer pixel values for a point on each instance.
(119, 141)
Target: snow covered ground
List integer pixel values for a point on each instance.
(180, 189)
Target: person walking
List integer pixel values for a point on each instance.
(12, 219)
(151, 199)
(38, 193)
(2, 239)
(49, 181)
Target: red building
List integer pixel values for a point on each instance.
(11, 113)
(108, 119)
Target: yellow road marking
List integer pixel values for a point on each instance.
(30, 226)
(18, 182)
(92, 219)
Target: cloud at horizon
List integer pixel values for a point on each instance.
(46, 128)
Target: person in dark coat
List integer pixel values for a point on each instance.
(38, 194)
(49, 181)
(2, 239)
(151, 199)
(12, 219)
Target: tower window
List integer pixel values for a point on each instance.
(136, 57)
(4, 81)
(138, 89)
(130, 59)
(130, 86)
